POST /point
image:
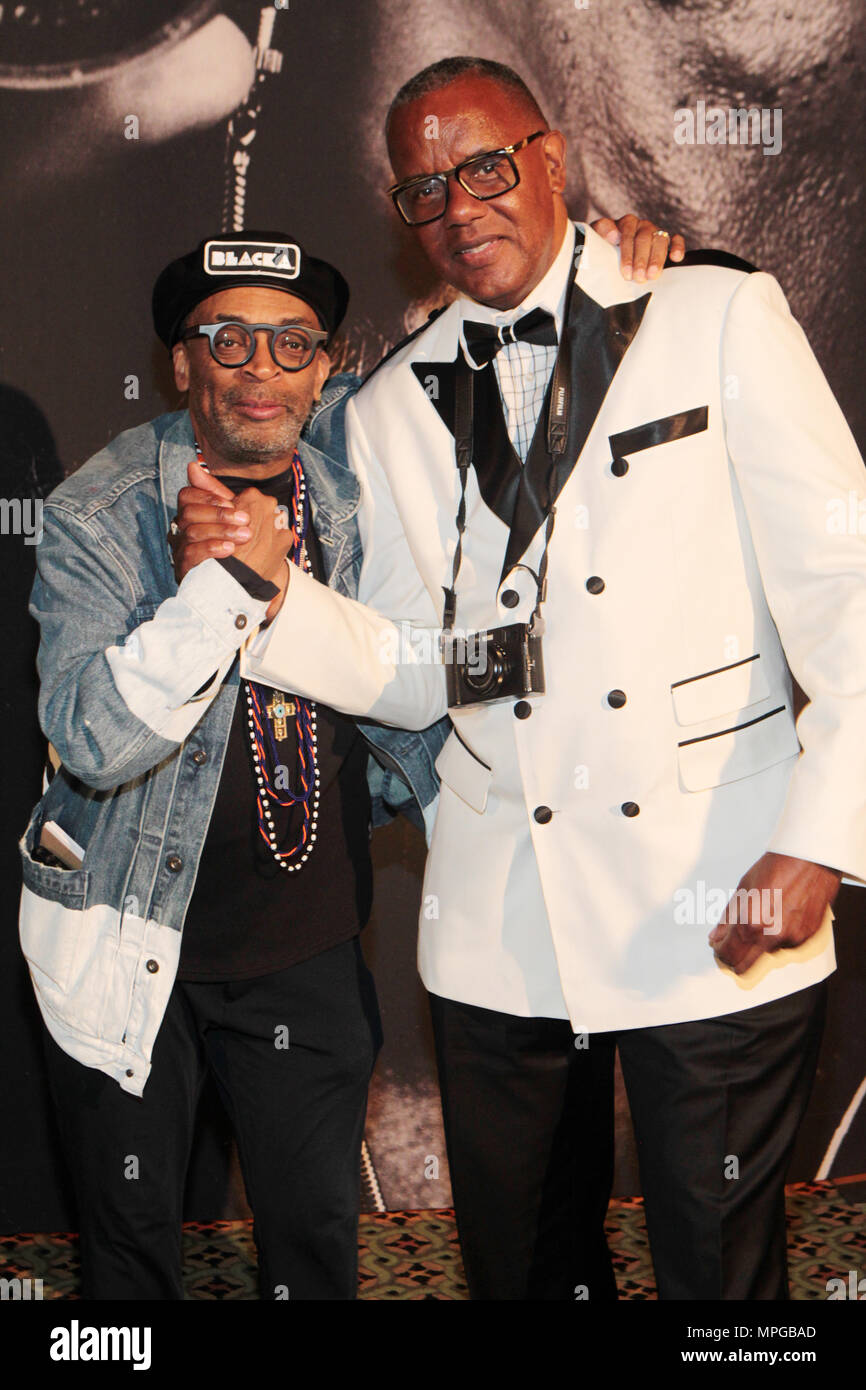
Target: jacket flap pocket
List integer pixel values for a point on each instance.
(747, 748)
(733, 687)
(663, 431)
(465, 774)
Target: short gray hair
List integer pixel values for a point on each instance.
(448, 70)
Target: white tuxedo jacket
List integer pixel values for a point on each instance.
(711, 461)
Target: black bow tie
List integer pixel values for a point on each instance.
(484, 339)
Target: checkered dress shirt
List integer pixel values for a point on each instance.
(524, 369)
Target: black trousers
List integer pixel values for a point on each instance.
(298, 1115)
(529, 1128)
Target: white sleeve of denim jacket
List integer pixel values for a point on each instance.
(429, 814)
(198, 630)
(378, 658)
(117, 695)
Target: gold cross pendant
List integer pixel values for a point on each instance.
(279, 711)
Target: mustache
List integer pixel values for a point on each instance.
(234, 394)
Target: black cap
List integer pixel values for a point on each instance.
(246, 258)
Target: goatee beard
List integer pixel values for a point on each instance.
(239, 445)
(235, 450)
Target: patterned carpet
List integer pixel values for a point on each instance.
(416, 1255)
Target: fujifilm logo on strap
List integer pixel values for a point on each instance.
(253, 258)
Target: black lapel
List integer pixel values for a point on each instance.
(518, 494)
(599, 341)
(495, 460)
(437, 382)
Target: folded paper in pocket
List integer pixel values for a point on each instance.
(55, 840)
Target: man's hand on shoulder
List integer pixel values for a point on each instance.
(781, 901)
(643, 247)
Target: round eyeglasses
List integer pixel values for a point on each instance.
(293, 346)
(424, 197)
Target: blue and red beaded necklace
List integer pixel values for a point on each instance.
(268, 724)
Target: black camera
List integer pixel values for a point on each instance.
(501, 663)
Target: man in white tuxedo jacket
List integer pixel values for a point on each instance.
(589, 838)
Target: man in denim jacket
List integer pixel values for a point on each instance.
(197, 871)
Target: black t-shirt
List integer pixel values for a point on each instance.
(247, 916)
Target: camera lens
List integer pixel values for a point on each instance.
(484, 679)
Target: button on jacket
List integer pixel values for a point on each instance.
(137, 700)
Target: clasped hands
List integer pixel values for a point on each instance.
(214, 523)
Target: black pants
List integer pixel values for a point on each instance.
(298, 1116)
(529, 1127)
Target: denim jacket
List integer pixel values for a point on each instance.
(139, 680)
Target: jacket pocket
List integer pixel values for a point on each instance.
(53, 903)
(717, 692)
(466, 775)
(741, 750)
(663, 431)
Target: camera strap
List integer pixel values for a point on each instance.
(559, 405)
(464, 424)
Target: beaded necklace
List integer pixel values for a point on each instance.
(268, 724)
